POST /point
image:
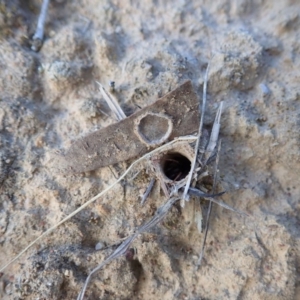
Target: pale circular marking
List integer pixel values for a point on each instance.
(144, 134)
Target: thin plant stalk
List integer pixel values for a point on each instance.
(38, 37)
(190, 176)
(148, 191)
(112, 103)
(209, 207)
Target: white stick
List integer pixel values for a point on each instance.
(188, 183)
(112, 103)
(39, 33)
(214, 136)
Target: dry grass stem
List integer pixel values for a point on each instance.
(148, 191)
(37, 39)
(112, 103)
(210, 202)
(191, 173)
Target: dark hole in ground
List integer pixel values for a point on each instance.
(175, 166)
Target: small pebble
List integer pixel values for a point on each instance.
(9, 289)
(264, 90)
(99, 246)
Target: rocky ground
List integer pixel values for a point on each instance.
(49, 98)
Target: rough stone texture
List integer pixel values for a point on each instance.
(149, 48)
